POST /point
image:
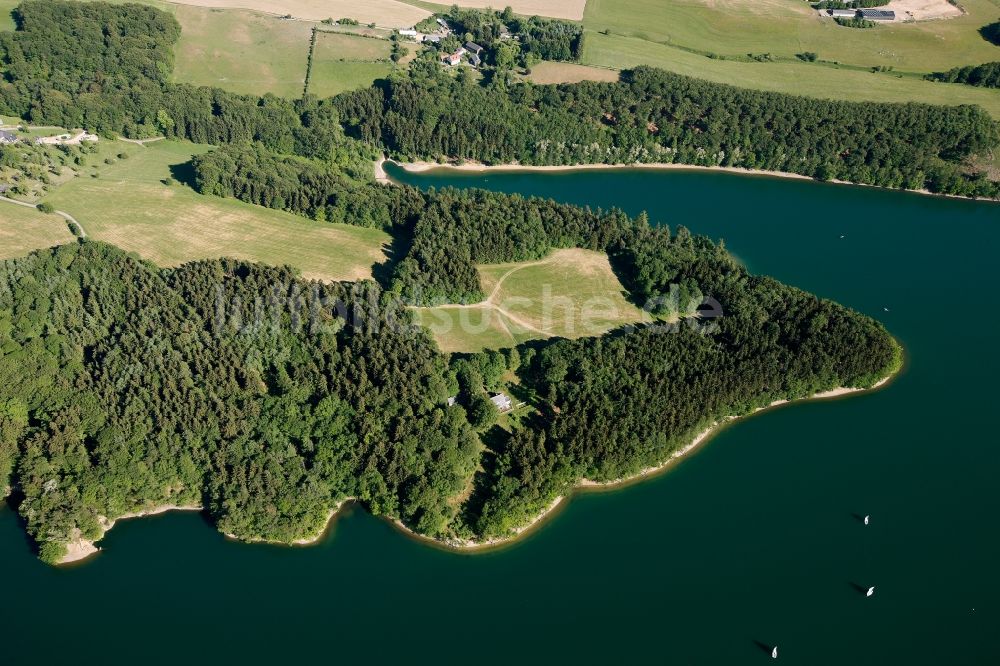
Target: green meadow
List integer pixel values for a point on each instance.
(347, 62)
(712, 40)
(570, 294)
(811, 79)
(23, 230)
(142, 204)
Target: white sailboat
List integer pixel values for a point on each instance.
(870, 592)
(774, 653)
(867, 517)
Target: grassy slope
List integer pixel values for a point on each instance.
(814, 80)
(23, 230)
(241, 51)
(787, 27)
(129, 206)
(677, 35)
(344, 62)
(572, 293)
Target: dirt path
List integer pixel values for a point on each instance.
(66, 216)
(488, 301)
(142, 142)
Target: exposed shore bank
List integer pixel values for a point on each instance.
(478, 167)
(585, 484)
(81, 549)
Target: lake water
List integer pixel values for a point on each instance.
(750, 542)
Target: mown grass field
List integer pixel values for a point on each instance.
(347, 62)
(6, 20)
(570, 293)
(568, 72)
(23, 230)
(241, 51)
(390, 13)
(786, 27)
(810, 79)
(130, 206)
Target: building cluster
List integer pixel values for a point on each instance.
(471, 52)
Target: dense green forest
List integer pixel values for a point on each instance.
(656, 116)
(267, 399)
(63, 67)
(222, 384)
(986, 75)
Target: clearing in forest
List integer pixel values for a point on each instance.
(570, 293)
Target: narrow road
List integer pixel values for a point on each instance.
(66, 216)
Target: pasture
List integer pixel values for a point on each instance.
(388, 13)
(568, 72)
(23, 230)
(241, 51)
(809, 79)
(784, 28)
(682, 35)
(348, 62)
(133, 205)
(570, 293)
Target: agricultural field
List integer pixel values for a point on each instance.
(810, 79)
(388, 13)
(23, 230)
(571, 10)
(784, 28)
(142, 204)
(6, 20)
(241, 51)
(683, 36)
(347, 62)
(570, 293)
(568, 72)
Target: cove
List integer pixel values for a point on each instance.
(752, 539)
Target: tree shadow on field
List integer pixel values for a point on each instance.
(395, 251)
(183, 173)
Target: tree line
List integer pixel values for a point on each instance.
(986, 75)
(62, 67)
(657, 116)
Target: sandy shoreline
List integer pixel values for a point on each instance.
(478, 167)
(585, 484)
(80, 549)
(305, 541)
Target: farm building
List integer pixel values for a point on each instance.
(408, 33)
(502, 402)
(454, 58)
(431, 39)
(878, 14)
(843, 13)
(472, 47)
(7, 137)
(475, 60)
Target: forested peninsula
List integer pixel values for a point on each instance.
(268, 400)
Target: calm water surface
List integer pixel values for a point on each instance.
(750, 541)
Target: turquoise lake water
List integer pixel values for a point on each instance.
(752, 541)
